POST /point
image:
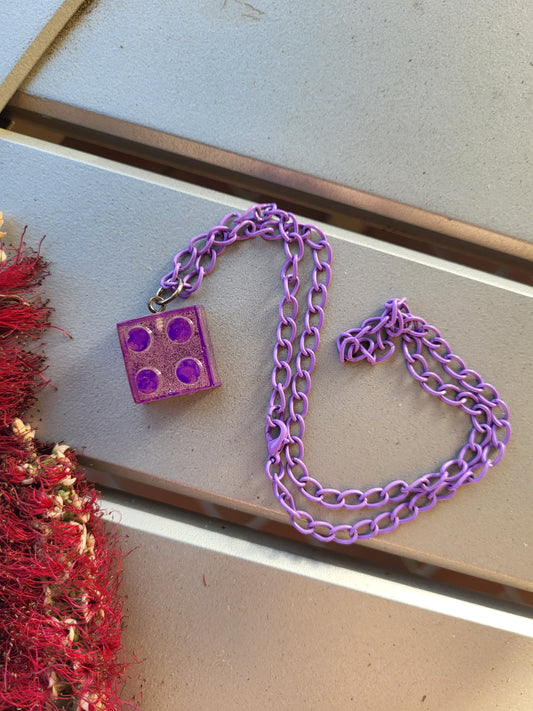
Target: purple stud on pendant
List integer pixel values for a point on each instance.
(168, 354)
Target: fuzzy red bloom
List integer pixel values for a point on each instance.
(20, 380)
(23, 272)
(60, 568)
(21, 320)
(60, 609)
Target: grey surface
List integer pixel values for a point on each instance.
(28, 28)
(424, 103)
(225, 623)
(111, 233)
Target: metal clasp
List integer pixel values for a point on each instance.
(275, 444)
(158, 303)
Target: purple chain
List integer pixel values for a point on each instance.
(373, 341)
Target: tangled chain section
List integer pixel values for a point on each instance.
(375, 340)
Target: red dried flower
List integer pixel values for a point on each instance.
(60, 568)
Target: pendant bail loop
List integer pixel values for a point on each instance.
(158, 303)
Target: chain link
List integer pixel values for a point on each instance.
(294, 362)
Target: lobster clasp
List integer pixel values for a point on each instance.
(275, 444)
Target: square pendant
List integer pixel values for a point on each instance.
(168, 354)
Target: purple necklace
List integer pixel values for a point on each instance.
(171, 354)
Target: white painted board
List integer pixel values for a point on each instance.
(111, 233)
(225, 622)
(423, 103)
(28, 28)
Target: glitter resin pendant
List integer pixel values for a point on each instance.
(168, 354)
